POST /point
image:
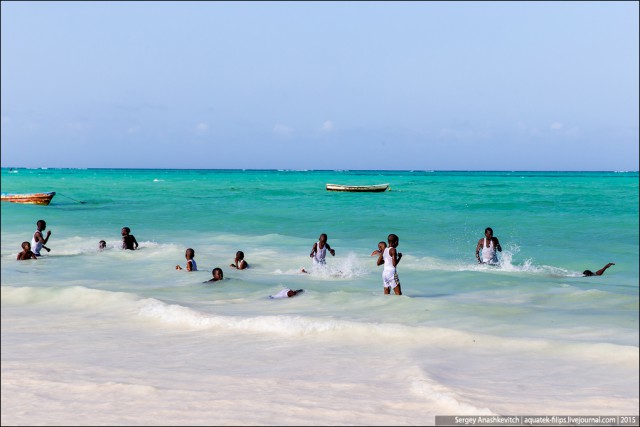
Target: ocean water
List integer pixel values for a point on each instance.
(121, 337)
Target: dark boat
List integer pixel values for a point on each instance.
(378, 188)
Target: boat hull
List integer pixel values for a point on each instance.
(30, 198)
(379, 188)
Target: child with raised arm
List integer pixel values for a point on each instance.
(599, 272)
(239, 263)
(26, 252)
(191, 263)
(381, 247)
(128, 240)
(390, 257)
(38, 241)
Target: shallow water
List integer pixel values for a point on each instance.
(114, 336)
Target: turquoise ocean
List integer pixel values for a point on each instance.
(122, 337)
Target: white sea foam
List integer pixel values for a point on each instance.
(77, 297)
(131, 344)
(443, 397)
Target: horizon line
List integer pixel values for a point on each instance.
(315, 170)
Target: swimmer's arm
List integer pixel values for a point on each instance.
(331, 251)
(478, 246)
(394, 256)
(498, 247)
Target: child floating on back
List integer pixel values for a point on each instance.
(286, 293)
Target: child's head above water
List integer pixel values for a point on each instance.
(217, 274)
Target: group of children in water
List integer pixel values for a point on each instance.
(387, 255)
(238, 263)
(38, 242)
(386, 252)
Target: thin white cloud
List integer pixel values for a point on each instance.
(574, 131)
(282, 130)
(556, 125)
(327, 126)
(522, 127)
(201, 128)
(463, 134)
(78, 126)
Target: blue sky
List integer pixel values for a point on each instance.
(321, 85)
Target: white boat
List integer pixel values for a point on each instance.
(378, 188)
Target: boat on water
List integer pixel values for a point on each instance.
(377, 188)
(30, 198)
